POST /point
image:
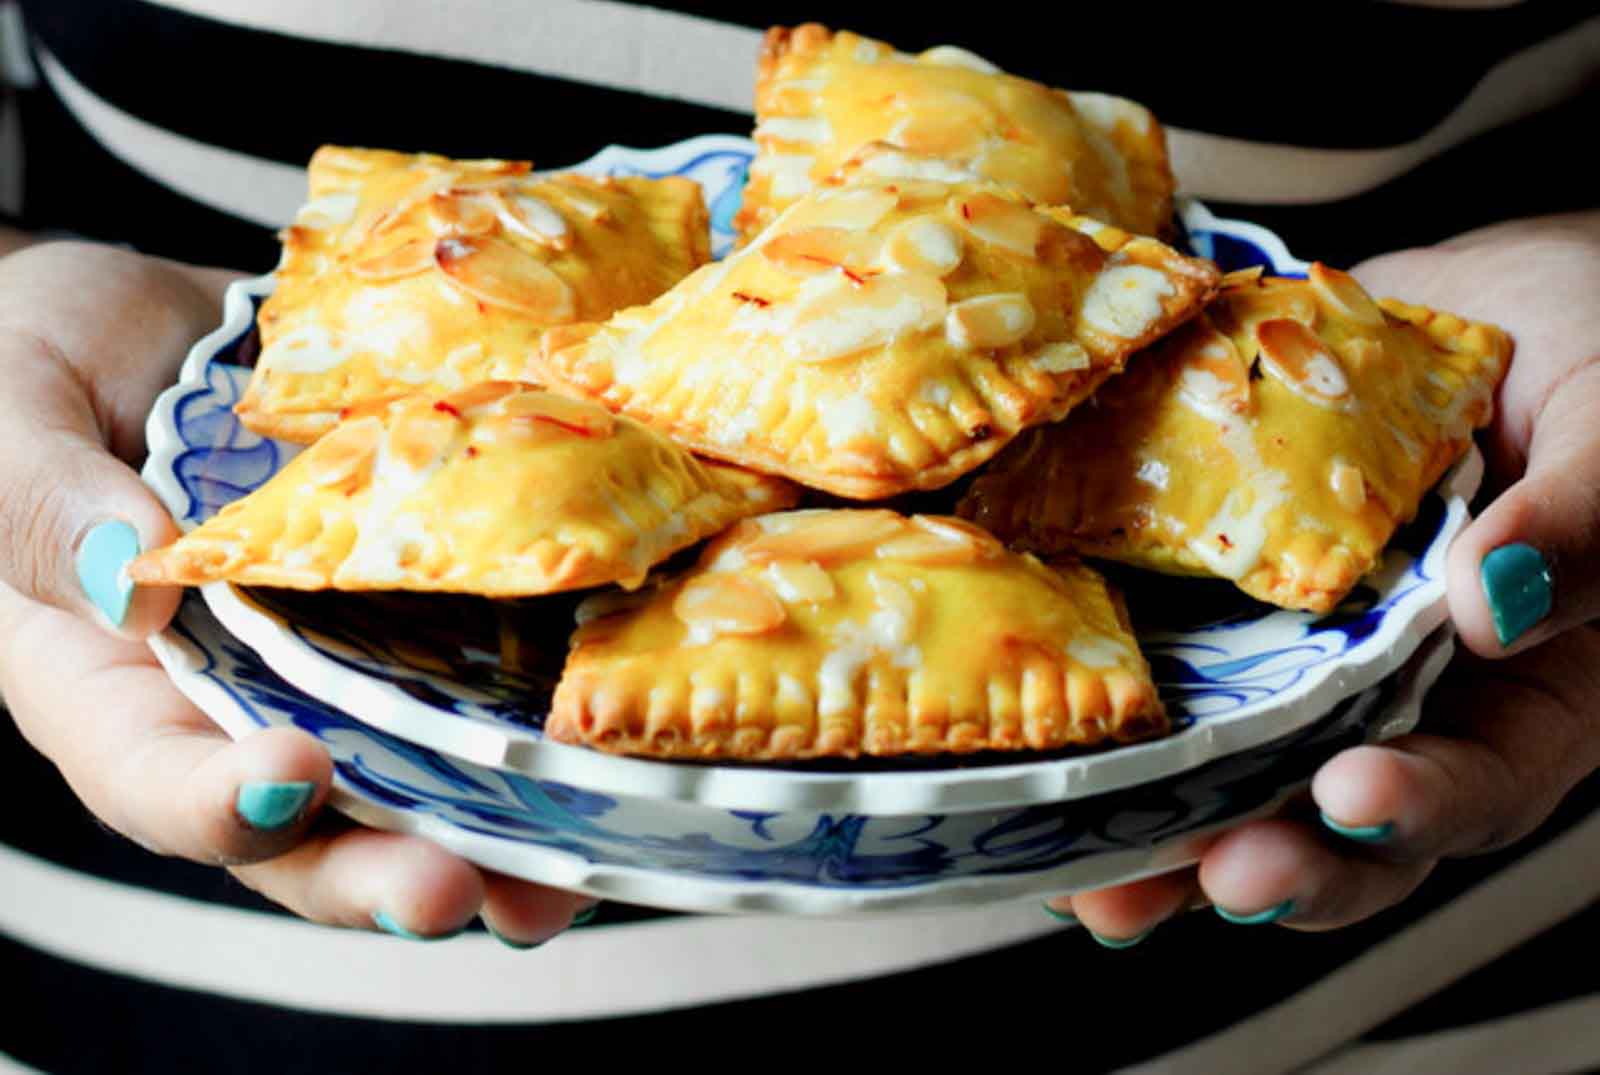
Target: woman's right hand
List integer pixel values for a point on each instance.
(89, 335)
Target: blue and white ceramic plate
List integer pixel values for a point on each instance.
(691, 856)
(438, 672)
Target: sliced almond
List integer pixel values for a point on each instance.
(1341, 292)
(939, 130)
(462, 214)
(924, 244)
(989, 321)
(953, 529)
(574, 415)
(1214, 375)
(1242, 277)
(533, 218)
(1294, 354)
(329, 211)
(827, 538)
(470, 399)
(407, 259)
(1291, 300)
(1063, 356)
(848, 319)
(591, 210)
(380, 218)
(728, 605)
(419, 432)
(1349, 485)
(343, 458)
(813, 250)
(496, 272)
(1000, 221)
(801, 581)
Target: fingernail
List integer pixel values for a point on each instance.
(585, 916)
(1518, 586)
(1260, 918)
(1366, 834)
(1059, 916)
(521, 946)
(102, 559)
(1119, 942)
(269, 807)
(386, 922)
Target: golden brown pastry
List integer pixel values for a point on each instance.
(496, 489)
(820, 96)
(415, 271)
(891, 332)
(1278, 440)
(838, 633)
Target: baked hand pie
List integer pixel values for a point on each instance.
(892, 331)
(820, 96)
(835, 633)
(1278, 440)
(405, 272)
(497, 489)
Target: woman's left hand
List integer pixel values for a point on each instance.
(1515, 722)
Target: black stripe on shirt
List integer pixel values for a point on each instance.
(279, 97)
(1335, 75)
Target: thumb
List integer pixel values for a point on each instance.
(72, 515)
(1529, 566)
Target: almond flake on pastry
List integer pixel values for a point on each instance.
(1278, 440)
(497, 489)
(836, 633)
(886, 334)
(404, 272)
(820, 96)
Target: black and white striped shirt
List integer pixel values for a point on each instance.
(182, 127)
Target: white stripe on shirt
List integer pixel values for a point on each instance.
(604, 971)
(624, 46)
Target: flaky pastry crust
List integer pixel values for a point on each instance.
(410, 271)
(497, 489)
(847, 632)
(820, 96)
(893, 330)
(1278, 441)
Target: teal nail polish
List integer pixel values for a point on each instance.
(1366, 834)
(1260, 918)
(585, 916)
(103, 554)
(1059, 916)
(269, 807)
(521, 946)
(1119, 943)
(384, 921)
(1518, 586)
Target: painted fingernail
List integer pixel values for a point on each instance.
(1366, 834)
(1119, 942)
(1260, 918)
(521, 946)
(1518, 586)
(1059, 916)
(102, 560)
(585, 916)
(386, 922)
(270, 806)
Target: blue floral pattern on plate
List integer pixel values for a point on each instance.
(1234, 674)
(696, 857)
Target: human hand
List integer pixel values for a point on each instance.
(88, 336)
(1508, 738)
